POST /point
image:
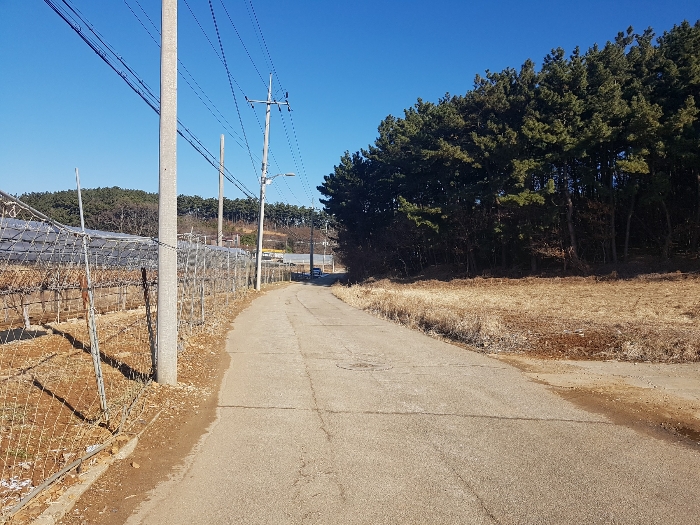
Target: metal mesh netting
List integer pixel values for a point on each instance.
(64, 391)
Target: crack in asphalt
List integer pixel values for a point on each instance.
(264, 353)
(464, 483)
(456, 365)
(338, 340)
(432, 414)
(319, 413)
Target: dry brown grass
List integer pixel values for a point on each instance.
(650, 318)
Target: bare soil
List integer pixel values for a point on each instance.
(169, 420)
(658, 399)
(50, 411)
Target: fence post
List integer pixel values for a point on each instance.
(92, 326)
(57, 297)
(25, 311)
(235, 277)
(149, 323)
(202, 299)
(184, 281)
(204, 275)
(194, 284)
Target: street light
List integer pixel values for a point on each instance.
(264, 181)
(268, 180)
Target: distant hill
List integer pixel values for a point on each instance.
(136, 212)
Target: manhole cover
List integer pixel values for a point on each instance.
(363, 365)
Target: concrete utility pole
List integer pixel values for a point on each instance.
(166, 368)
(325, 243)
(264, 179)
(311, 244)
(220, 235)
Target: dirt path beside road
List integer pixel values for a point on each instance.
(663, 399)
(329, 415)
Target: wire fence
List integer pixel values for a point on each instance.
(77, 335)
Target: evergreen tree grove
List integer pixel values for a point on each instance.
(595, 158)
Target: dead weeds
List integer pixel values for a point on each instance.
(650, 318)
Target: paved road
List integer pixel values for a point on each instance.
(443, 436)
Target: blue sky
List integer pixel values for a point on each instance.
(345, 64)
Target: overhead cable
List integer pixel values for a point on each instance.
(301, 159)
(199, 91)
(264, 43)
(228, 74)
(243, 43)
(109, 56)
(256, 25)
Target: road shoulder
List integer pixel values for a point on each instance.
(658, 399)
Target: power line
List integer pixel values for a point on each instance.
(211, 159)
(301, 159)
(222, 58)
(222, 120)
(266, 50)
(108, 55)
(202, 29)
(274, 159)
(223, 61)
(209, 104)
(104, 51)
(231, 78)
(304, 182)
(148, 17)
(228, 74)
(256, 70)
(257, 24)
(243, 43)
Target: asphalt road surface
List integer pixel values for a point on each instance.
(329, 415)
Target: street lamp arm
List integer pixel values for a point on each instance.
(281, 175)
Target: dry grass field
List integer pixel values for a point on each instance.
(652, 318)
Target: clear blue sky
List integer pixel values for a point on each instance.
(346, 66)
